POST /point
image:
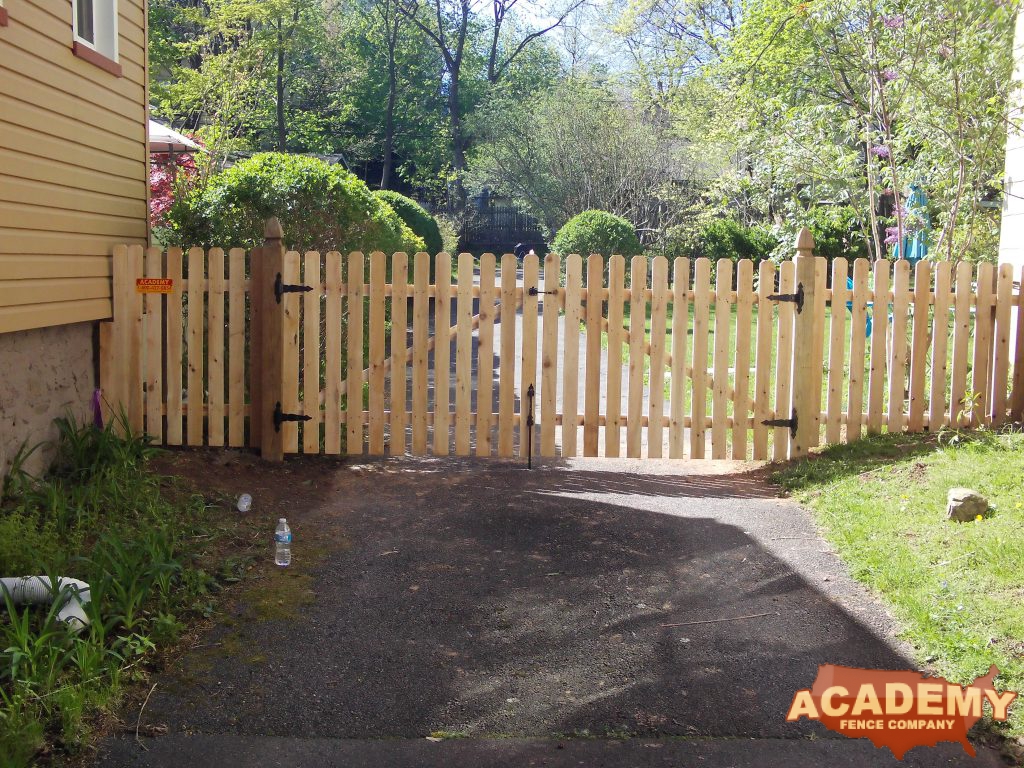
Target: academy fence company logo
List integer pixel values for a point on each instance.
(898, 710)
(154, 285)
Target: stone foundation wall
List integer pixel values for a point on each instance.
(44, 373)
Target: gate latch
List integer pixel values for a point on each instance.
(791, 423)
(281, 288)
(535, 292)
(797, 298)
(280, 417)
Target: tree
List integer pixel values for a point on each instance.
(452, 25)
(865, 99)
(384, 77)
(391, 22)
(505, 49)
(838, 101)
(300, 75)
(576, 148)
(672, 41)
(230, 66)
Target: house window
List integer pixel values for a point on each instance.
(95, 26)
(85, 27)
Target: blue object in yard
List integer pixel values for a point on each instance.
(849, 306)
(915, 247)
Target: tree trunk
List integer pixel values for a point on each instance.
(458, 142)
(389, 112)
(282, 134)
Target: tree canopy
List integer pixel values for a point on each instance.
(669, 113)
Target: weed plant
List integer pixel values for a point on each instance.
(101, 516)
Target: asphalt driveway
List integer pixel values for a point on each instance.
(475, 613)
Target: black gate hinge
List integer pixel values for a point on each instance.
(280, 417)
(791, 423)
(530, 393)
(797, 298)
(281, 288)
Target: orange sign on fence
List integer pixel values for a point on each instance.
(154, 285)
(898, 710)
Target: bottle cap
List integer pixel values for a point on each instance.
(282, 520)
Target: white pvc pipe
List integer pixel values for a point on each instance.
(40, 590)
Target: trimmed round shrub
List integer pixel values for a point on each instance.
(321, 207)
(597, 232)
(415, 217)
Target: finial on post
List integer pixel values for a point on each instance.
(273, 230)
(804, 243)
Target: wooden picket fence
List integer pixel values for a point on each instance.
(212, 361)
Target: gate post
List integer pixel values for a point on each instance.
(268, 327)
(806, 380)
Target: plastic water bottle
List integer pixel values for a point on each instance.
(244, 502)
(283, 543)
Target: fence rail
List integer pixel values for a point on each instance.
(681, 359)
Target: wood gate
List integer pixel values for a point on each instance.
(325, 353)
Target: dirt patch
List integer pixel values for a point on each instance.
(247, 587)
(296, 490)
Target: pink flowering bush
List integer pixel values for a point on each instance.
(166, 182)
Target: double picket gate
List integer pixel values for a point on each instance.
(391, 354)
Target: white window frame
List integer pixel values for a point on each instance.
(104, 25)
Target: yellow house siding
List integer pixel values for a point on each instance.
(57, 243)
(38, 218)
(73, 164)
(58, 171)
(25, 266)
(68, 152)
(41, 193)
(48, 290)
(57, 313)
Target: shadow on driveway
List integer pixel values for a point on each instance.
(476, 599)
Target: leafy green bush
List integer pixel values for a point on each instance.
(836, 231)
(321, 207)
(597, 232)
(729, 239)
(417, 219)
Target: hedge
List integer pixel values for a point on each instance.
(416, 218)
(321, 207)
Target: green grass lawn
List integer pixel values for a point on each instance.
(956, 588)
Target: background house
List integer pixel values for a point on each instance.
(73, 182)
(1011, 241)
